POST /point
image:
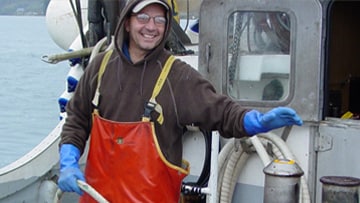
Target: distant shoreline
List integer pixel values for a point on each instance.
(42, 15)
(24, 7)
(28, 14)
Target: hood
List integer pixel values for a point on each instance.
(121, 36)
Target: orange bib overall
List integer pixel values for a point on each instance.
(125, 164)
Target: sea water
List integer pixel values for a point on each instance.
(29, 87)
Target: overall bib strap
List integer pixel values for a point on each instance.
(103, 65)
(152, 103)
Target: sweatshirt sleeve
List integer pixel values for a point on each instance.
(199, 104)
(77, 126)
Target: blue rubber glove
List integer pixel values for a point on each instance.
(69, 169)
(256, 122)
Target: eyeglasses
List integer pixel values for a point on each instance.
(144, 18)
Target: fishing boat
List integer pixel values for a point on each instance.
(263, 54)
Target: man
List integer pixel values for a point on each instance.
(135, 151)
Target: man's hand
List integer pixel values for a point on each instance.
(256, 122)
(69, 169)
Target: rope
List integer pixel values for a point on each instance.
(86, 188)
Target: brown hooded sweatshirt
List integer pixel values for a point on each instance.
(186, 98)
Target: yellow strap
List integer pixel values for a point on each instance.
(159, 84)
(103, 65)
(104, 62)
(163, 75)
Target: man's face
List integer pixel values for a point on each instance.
(145, 34)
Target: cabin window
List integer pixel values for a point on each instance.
(258, 64)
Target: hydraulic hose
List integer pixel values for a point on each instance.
(265, 158)
(232, 159)
(199, 187)
(233, 169)
(222, 162)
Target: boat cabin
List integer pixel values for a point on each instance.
(302, 54)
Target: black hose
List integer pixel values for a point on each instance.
(205, 173)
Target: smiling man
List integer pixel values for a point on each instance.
(135, 102)
(146, 29)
